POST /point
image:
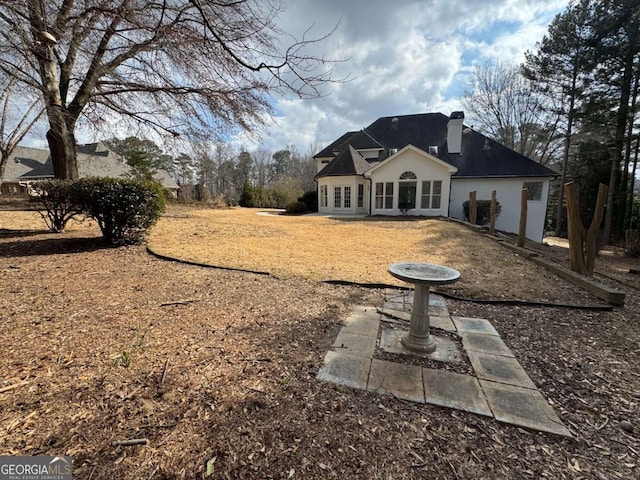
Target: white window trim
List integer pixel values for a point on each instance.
(524, 185)
(343, 188)
(431, 194)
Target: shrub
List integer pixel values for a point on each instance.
(296, 207)
(124, 209)
(483, 211)
(55, 202)
(310, 199)
(246, 197)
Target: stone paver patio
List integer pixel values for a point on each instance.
(500, 387)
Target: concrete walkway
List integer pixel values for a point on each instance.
(499, 388)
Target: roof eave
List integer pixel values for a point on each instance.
(507, 176)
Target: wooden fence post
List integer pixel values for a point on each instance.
(522, 233)
(492, 222)
(473, 212)
(575, 228)
(592, 235)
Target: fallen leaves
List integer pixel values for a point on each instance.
(239, 397)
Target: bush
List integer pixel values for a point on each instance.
(483, 211)
(55, 202)
(124, 209)
(246, 197)
(296, 207)
(310, 199)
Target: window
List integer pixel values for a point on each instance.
(407, 191)
(431, 194)
(347, 197)
(384, 195)
(337, 197)
(341, 197)
(360, 196)
(324, 196)
(408, 176)
(535, 191)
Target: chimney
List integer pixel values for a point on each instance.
(454, 132)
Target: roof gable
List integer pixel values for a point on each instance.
(337, 145)
(349, 162)
(420, 152)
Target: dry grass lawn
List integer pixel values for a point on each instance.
(357, 250)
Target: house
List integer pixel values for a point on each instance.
(27, 165)
(426, 165)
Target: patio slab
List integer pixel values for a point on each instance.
(363, 321)
(479, 342)
(523, 407)
(446, 350)
(347, 370)
(355, 344)
(397, 379)
(499, 369)
(474, 325)
(501, 387)
(454, 390)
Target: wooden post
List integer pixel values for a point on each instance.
(522, 233)
(472, 208)
(576, 230)
(492, 222)
(594, 228)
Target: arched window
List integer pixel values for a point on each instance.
(408, 176)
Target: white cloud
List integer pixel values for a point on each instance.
(407, 56)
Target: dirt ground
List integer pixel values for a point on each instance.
(216, 369)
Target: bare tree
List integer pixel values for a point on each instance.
(262, 168)
(180, 67)
(501, 101)
(13, 128)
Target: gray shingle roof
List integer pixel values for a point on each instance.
(348, 162)
(481, 157)
(94, 160)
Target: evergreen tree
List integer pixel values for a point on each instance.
(560, 69)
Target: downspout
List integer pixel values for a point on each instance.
(449, 205)
(370, 193)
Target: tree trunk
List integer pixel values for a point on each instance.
(621, 127)
(61, 124)
(631, 195)
(565, 158)
(62, 145)
(628, 211)
(3, 166)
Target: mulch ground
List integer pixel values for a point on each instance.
(216, 370)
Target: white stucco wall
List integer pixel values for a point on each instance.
(342, 181)
(425, 167)
(508, 194)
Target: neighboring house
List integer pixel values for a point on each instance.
(427, 164)
(26, 165)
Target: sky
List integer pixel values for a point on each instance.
(402, 57)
